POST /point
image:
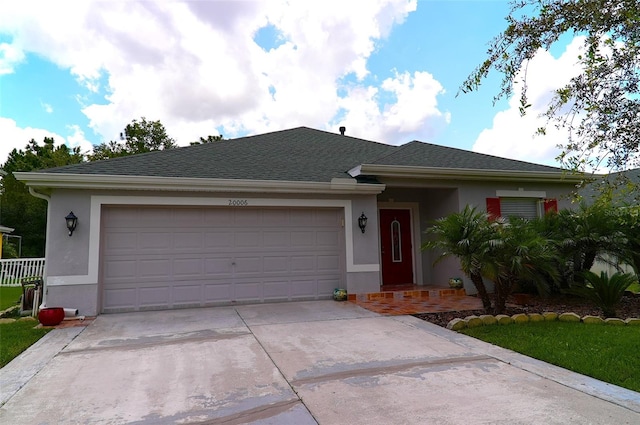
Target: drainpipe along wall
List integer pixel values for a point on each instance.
(33, 192)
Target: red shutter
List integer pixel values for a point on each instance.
(493, 208)
(550, 205)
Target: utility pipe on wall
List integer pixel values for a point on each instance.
(33, 192)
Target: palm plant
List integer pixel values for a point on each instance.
(464, 235)
(516, 253)
(606, 292)
(586, 235)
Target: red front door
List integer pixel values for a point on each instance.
(395, 243)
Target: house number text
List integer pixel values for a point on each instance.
(238, 202)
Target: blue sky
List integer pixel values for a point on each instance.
(388, 70)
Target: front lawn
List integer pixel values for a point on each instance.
(605, 352)
(15, 337)
(9, 296)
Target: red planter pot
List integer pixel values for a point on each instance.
(51, 316)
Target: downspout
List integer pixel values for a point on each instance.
(33, 192)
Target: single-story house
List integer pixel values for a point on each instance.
(272, 217)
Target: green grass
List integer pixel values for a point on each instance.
(15, 337)
(635, 287)
(605, 352)
(9, 296)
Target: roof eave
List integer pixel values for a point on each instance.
(117, 182)
(436, 173)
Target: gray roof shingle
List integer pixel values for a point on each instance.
(298, 154)
(421, 154)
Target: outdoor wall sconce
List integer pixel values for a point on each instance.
(72, 220)
(362, 222)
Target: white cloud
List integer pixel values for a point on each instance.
(412, 114)
(10, 56)
(47, 108)
(15, 137)
(195, 66)
(513, 136)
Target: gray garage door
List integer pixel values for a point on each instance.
(158, 258)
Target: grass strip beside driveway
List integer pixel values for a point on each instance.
(15, 337)
(605, 352)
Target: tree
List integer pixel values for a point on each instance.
(601, 105)
(138, 137)
(517, 253)
(21, 211)
(464, 235)
(209, 139)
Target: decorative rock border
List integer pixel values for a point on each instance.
(502, 319)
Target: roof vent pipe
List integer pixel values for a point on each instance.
(342, 130)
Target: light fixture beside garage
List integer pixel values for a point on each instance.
(72, 221)
(362, 222)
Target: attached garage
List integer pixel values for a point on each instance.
(173, 257)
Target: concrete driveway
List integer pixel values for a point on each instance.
(295, 363)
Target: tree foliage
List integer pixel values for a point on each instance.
(209, 139)
(600, 107)
(464, 235)
(19, 209)
(138, 137)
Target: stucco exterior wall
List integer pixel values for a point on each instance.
(72, 274)
(439, 198)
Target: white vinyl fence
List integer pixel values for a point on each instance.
(13, 270)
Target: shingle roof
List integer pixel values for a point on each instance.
(298, 154)
(420, 154)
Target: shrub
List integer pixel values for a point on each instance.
(606, 292)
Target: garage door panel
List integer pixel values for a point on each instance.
(187, 294)
(303, 263)
(154, 241)
(247, 239)
(154, 296)
(326, 286)
(160, 217)
(119, 241)
(248, 291)
(187, 217)
(247, 218)
(218, 217)
(218, 266)
(188, 241)
(275, 218)
(276, 239)
(120, 298)
(328, 239)
(328, 263)
(120, 269)
(302, 218)
(218, 292)
(187, 267)
(219, 255)
(303, 288)
(276, 264)
(245, 264)
(302, 239)
(154, 268)
(326, 218)
(219, 240)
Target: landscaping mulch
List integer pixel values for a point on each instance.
(628, 307)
